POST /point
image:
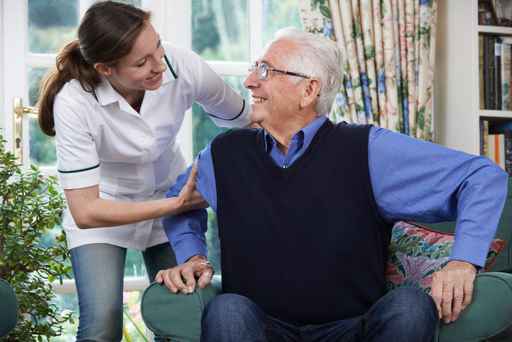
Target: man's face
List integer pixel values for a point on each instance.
(277, 98)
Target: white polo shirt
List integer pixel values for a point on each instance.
(134, 157)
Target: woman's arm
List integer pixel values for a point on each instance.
(91, 211)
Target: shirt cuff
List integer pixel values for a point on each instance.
(187, 248)
(81, 178)
(470, 249)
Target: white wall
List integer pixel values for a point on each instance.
(456, 76)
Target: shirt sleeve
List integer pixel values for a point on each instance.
(186, 232)
(226, 107)
(425, 182)
(77, 158)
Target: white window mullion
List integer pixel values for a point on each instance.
(14, 22)
(229, 68)
(130, 284)
(2, 79)
(255, 28)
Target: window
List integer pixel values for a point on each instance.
(229, 34)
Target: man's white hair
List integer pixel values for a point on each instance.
(317, 57)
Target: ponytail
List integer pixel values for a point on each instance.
(70, 65)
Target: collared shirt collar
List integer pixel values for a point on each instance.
(303, 137)
(107, 94)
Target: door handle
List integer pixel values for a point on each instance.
(19, 111)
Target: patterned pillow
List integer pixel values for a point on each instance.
(416, 252)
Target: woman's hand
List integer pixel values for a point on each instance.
(189, 198)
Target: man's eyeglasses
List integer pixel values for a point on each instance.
(263, 71)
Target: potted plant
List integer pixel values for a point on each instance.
(30, 207)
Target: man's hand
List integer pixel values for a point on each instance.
(182, 278)
(452, 289)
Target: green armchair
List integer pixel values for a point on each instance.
(177, 317)
(488, 318)
(8, 308)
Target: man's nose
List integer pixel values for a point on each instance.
(251, 81)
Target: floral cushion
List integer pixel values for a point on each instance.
(416, 252)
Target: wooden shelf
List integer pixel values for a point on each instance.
(495, 29)
(502, 114)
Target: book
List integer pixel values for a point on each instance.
(484, 136)
(508, 151)
(489, 84)
(497, 73)
(481, 72)
(506, 55)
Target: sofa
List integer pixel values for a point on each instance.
(8, 308)
(177, 317)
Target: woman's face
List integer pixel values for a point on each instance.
(143, 68)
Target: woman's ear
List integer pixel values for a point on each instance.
(103, 69)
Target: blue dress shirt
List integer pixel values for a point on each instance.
(411, 180)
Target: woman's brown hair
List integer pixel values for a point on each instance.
(106, 33)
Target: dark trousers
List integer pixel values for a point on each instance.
(404, 314)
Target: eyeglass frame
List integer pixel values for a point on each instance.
(256, 66)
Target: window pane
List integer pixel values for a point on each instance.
(278, 14)
(42, 147)
(66, 303)
(134, 265)
(51, 23)
(220, 30)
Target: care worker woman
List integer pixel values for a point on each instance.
(115, 104)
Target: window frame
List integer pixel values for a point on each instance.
(15, 61)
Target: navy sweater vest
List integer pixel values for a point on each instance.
(305, 243)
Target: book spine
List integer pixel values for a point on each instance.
(481, 84)
(505, 75)
(490, 91)
(508, 151)
(497, 73)
(485, 150)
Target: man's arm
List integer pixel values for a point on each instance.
(186, 232)
(416, 180)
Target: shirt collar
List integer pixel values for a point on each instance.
(107, 94)
(303, 137)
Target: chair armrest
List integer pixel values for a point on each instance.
(489, 314)
(176, 316)
(8, 308)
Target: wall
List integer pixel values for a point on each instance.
(456, 76)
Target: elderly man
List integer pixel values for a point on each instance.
(305, 222)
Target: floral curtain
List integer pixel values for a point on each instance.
(388, 60)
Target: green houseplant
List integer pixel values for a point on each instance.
(30, 207)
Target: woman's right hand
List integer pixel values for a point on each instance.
(189, 198)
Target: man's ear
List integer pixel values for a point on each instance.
(103, 69)
(311, 93)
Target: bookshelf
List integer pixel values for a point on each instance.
(457, 108)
